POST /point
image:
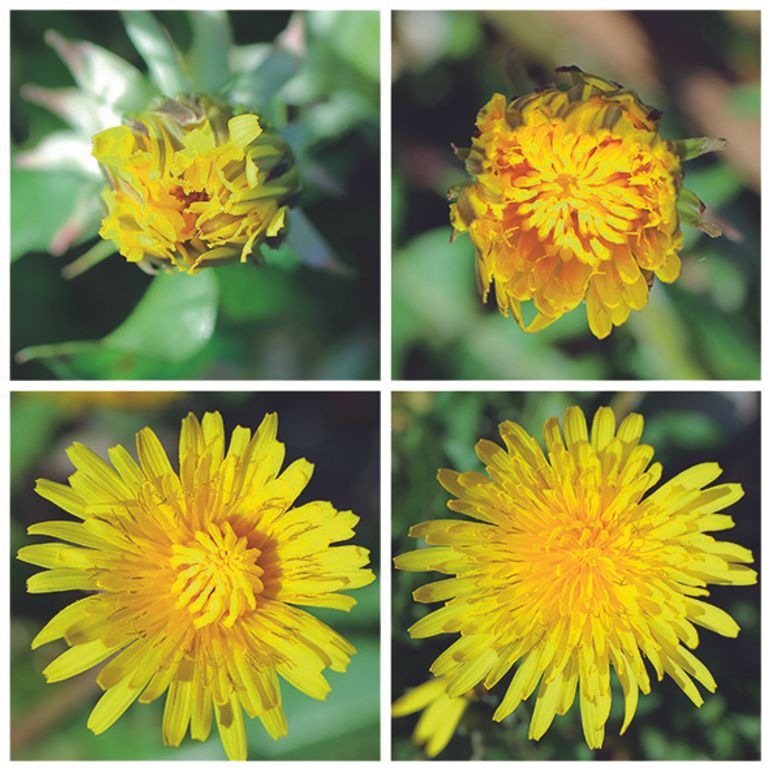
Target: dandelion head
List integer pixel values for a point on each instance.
(576, 196)
(568, 566)
(195, 579)
(192, 185)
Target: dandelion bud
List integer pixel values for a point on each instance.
(194, 185)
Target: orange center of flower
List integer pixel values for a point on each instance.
(582, 564)
(195, 196)
(218, 577)
(582, 543)
(582, 193)
(189, 211)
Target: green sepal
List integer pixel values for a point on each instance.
(461, 153)
(699, 145)
(691, 209)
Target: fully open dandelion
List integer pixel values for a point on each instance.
(441, 714)
(192, 185)
(195, 576)
(576, 196)
(570, 569)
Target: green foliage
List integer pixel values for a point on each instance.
(30, 232)
(172, 323)
(438, 316)
(159, 52)
(173, 320)
(34, 423)
(208, 57)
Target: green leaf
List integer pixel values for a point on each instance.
(60, 151)
(310, 246)
(252, 294)
(282, 256)
(78, 109)
(172, 323)
(207, 58)
(173, 320)
(110, 79)
(59, 190)
(34, 421)
(353, 36)
(156, 47)
(334, 116)
(262, 71)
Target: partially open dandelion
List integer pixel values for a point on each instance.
(570, 569)
(441, 714)
(575, 196)
(193, 185)
(195, 576)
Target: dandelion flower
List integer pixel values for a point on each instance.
(576, 196)
(440, 717)
(192, 185)
(571, 567)
(195, 576)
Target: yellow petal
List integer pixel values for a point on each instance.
(176, 714)
(61, 495)
(77, 659)
(417, 698)
(244, 129)
(231, 729)
(112, 705)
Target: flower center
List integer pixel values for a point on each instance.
(588, 548)
(583, 194)
(190, 211)
(218, 577)
(194, 196)
(583, 542)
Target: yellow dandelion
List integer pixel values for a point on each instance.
(191, 185)
(195, 576)
(571, 568)
(441, 714)
(576, 196)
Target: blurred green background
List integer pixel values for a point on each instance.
(702, 68)
(434, 430)
(279, 321)
(339, 432)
